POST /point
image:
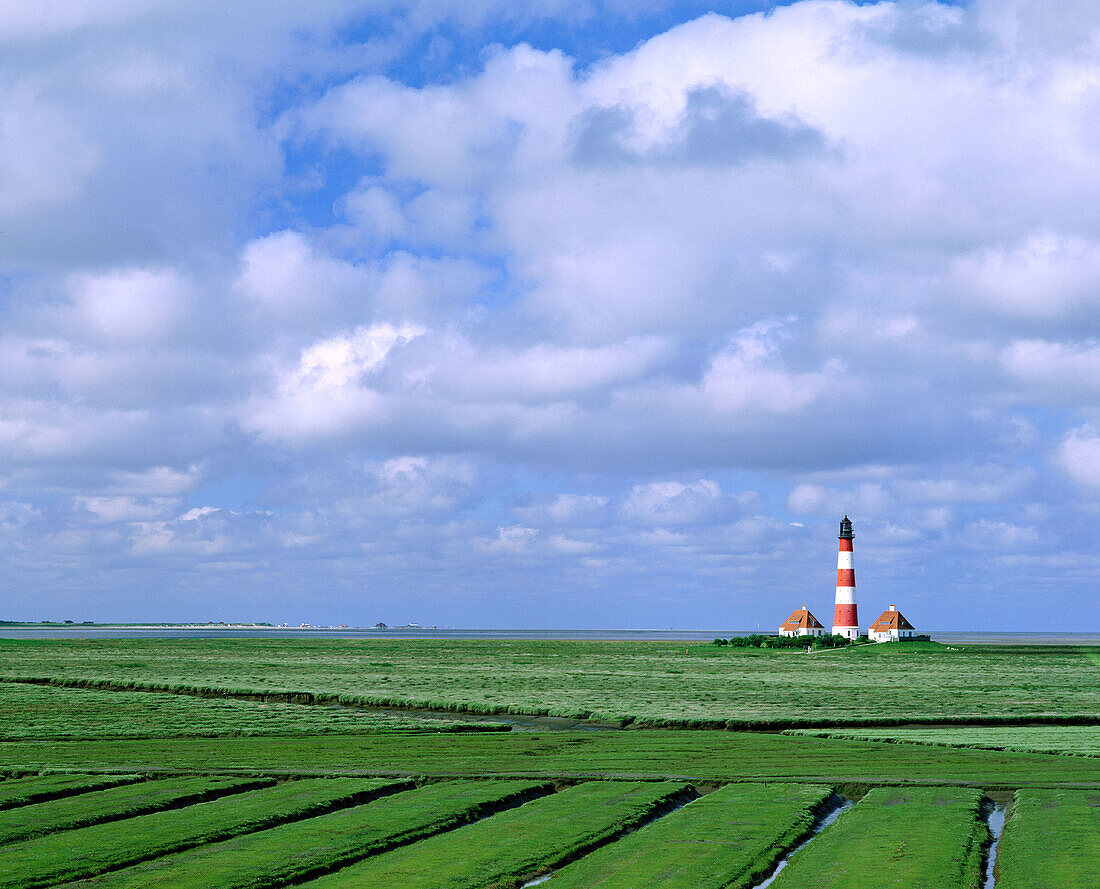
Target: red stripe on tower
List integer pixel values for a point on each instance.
(845, 619)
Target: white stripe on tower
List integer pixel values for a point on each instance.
(845, 619)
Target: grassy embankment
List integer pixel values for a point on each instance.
(113, 805)
(652, 683)
(294, 852)
(726, 756)
(904, 839)
(515, 845)
(1073, 740)
(39, 788)
(724, 840)
(1052, 839)
(87, 851)
(32, 712)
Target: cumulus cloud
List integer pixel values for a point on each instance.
(1079, 454)
(130, 305)
(368, 294)
(1047, 275)
(746, 376)
(328, 391)
(284, 274)
(1055, 371)
(673, 503)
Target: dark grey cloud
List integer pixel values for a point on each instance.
(718, 127)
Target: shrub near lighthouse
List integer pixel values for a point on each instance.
(845, 619)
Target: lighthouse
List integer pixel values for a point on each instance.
(845, 622)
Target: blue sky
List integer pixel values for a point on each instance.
(562, 313)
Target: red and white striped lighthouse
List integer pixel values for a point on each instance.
(845, 621)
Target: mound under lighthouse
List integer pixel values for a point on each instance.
(845, 620)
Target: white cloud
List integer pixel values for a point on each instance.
(126, 509)
(130, 305)
(673, 503)
(545, 371)
(867, 499)
(567, 509)
(510, 541)
(1079, 455)
(342, 361)
(1047, 275)
(410, 485)
(571, 546)
(156, 480)
(284, 274)
(425, 293)
(449, 135)
(1059, 370)
(746, 376)
(328, 392)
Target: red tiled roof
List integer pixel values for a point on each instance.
(801, 620)
(891, 620)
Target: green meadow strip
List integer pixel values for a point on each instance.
(1070, 740)
(703, 756)
(35, 711)
(1052, 839)
(652, 683)
(295, 852)
(24, 791)
(113, 805)
(724, 839)
(911, 838)
(506, 849)
(88, 851)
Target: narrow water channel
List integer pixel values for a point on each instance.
(828, 818)
(996, 821)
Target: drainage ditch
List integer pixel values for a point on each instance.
(995, 819)
(838, 807)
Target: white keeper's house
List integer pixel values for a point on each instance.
(890, 627)
(801, 623)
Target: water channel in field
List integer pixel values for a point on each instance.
(841, 806)
(996, 821)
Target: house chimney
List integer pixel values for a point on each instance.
(893, 607)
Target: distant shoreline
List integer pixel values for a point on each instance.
(11, 630)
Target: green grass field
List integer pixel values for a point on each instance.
(1076, 740)
(88, 851)
(35, 711)
(1052, 839)
(23, 791)
(293, 852)
(649, 682)
(516, 845)
(694, 755)
(720, 841)
(183, 717)
(112, 805)
(904, 839)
